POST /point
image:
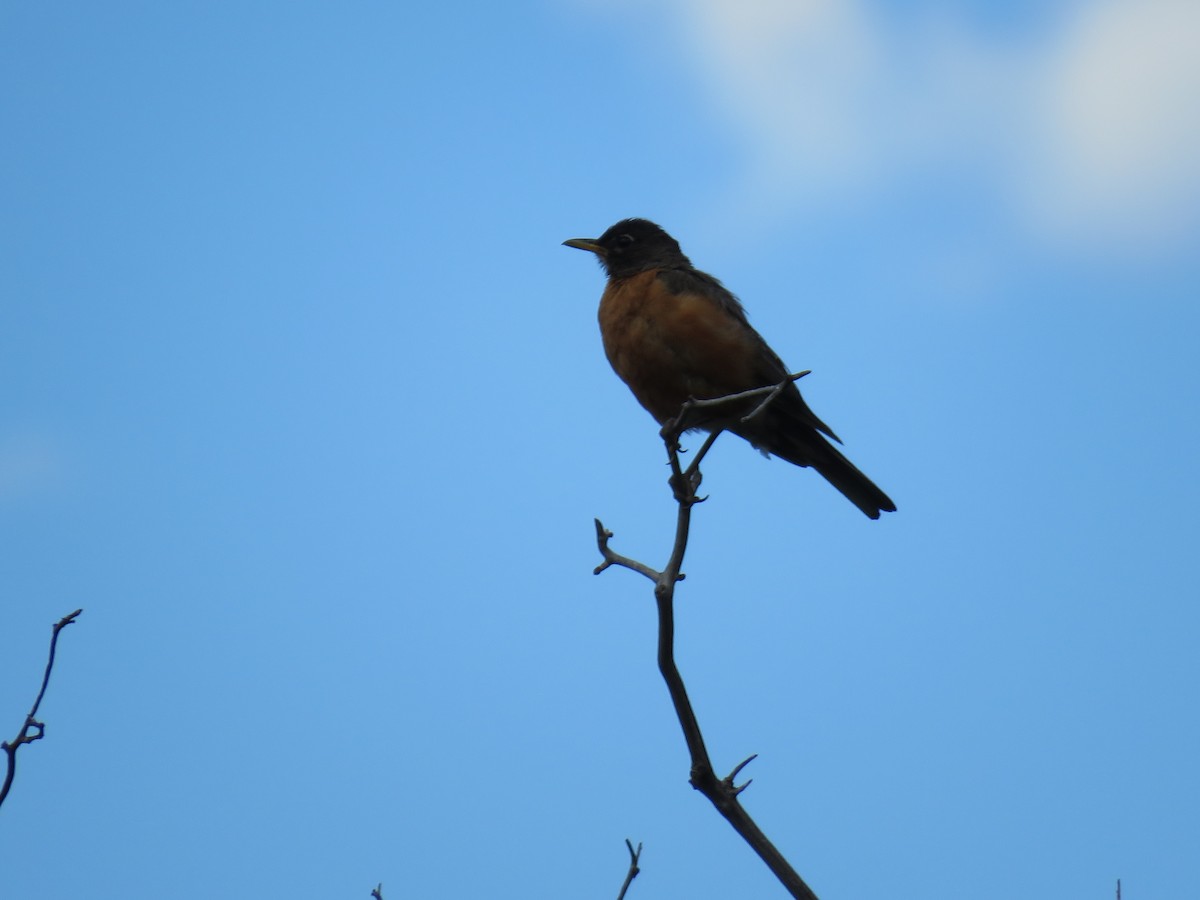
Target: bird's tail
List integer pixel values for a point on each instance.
(860, 490)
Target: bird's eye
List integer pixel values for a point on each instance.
(624, 240)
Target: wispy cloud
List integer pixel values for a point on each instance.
(30, 463)
(1086, 125)
(1118, 122)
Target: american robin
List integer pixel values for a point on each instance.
(673, 332)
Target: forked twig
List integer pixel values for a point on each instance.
(634, 856)
(33, 730)
(612, 558)
(722, 792)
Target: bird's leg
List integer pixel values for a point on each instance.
(672, 430)
(685, 482)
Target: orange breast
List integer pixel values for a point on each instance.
(669, 347)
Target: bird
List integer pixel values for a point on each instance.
(674, 333)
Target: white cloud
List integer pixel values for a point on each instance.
(772, 63)
(1088, 128)
(1120, 121)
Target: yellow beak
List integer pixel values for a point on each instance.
(588, 244)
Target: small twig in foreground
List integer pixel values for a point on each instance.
(634, 855)
(33, 730)
(377, 892)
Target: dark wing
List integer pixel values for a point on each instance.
(768, 367)
(787, 428)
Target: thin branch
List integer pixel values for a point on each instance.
(775, 391)
(634, 856)
(377, 892)
(33, 730)
(612, 558)
(703, 451)
(721, 792)
(686, 420)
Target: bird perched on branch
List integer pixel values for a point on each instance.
(674, 333)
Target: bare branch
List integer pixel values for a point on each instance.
(612, 558)
(634, 856)
(723, 793)
(33, 730)
(377, 892)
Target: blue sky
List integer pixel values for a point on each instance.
(306, 407)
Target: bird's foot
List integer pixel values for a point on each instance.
(684, 486)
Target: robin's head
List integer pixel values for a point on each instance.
(632, 246)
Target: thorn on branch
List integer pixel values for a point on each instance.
(728, 780)
(738, 768)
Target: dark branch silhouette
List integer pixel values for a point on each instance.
(634, 856)
(722, 792)
(377, 892)
(32, 730)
